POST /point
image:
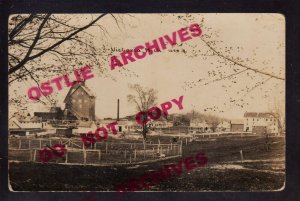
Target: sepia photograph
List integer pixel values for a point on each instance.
(152, 102)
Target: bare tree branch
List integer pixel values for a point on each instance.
(242, 65)
(20, 26)
(21, 64)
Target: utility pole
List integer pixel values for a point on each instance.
(118, 110)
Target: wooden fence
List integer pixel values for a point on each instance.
(102, 153)
(229, 134)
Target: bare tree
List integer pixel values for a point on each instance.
(214, 121)
(47, 45)
(43, 45)
(230, 63)
(143, 99)
(277, 111)
(33, 36)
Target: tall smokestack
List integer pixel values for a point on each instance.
(118, 110)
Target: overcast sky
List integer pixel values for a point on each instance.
(258, 40)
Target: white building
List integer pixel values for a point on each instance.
(200, 126)
(25, 125)
(260, 122)
(160, 123)
(123, 125)
(85, 127)
(127, 126)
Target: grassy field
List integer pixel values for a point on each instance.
(262, 169)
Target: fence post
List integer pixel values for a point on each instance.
(242, 156)
(130, 158)
(153, 153)
(186, 141)
(50, 143)
(171, 145)
(158, 146)
(144, 149)
(159, 142)
(66, 161)
(99, 155)
(29, 143)
(20, 143)
(34, 155)
(106, 146)
(134, 154)
(180, 148)
(84, 156)
(40, 143)
(30, 155)
(125, 156)
(161, 148)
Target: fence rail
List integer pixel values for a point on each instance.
(100, 154)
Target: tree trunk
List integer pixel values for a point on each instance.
(279, 125)
(144, 132)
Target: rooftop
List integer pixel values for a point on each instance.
(75, 87)
(259, 114)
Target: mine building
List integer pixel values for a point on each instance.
(80, 103)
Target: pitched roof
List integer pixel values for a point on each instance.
(77, 86)
(265, 115)
(21, 118)
(15, 121)
(259, 114)
(250, 114)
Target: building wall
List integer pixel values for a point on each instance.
(200, 126)
(161, 124)
(259, 129)
(92, 115)
(47, 115)
(64, 131)
(83, 104)
(237, 127)
(13, 124)
(269, 122)
(18, 132)
(127, 126)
